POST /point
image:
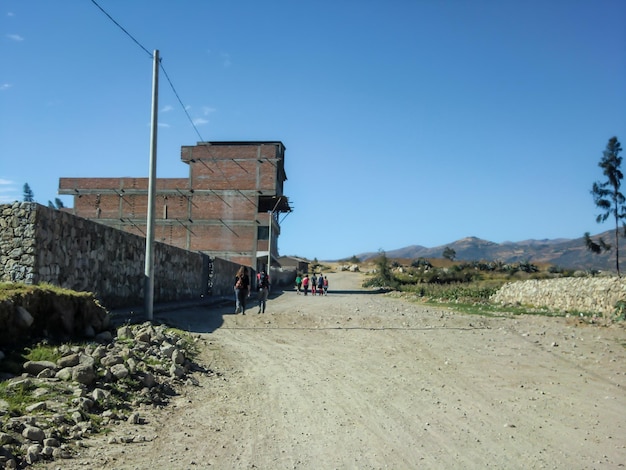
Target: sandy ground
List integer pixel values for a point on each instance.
(361, 380)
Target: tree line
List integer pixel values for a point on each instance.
(29, 196)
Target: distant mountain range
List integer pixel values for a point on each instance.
(561, 252)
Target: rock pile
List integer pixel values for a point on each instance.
(353, 268)
(570, 294)
(90, 387)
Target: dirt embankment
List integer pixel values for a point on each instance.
(361, 380)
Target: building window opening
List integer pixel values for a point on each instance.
(263, 232)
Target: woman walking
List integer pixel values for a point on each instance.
(242, 289)
(298, 284)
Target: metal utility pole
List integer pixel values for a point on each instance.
(269, 241)
(149, 266)
(269, 244)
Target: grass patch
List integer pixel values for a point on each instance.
(15, 359)
(455, 292)
(10, 290)
(42, 352)
(18, 396)
(489, 310)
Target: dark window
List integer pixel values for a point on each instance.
(263, 232)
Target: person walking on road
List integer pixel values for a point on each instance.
(305, 284)
(320, 285)
(263, 284)
(298, 283)
(313, 284)
(242, 290)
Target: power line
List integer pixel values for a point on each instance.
(181, 103)
(168, 80)
(160, 64)
(122, 28)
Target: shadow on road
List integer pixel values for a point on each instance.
(205, 315)
(208, 317)
(195, 316)
(198, 316)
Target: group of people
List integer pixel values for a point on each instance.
(242, 289)
(317, 284)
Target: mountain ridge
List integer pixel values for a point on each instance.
(562, 252)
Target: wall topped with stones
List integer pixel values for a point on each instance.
(572, 294)
(39, 244)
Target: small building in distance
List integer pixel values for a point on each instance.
(299, 265)
(228, 207)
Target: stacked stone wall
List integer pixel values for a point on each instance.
(39, 244)
(223, 280)
(585, 294)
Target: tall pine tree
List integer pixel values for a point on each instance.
(29, 196)
(608, 197)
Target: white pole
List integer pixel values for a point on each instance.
(269, 244)
(269, 240)
(149, 266)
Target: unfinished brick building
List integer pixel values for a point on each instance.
(224, 208)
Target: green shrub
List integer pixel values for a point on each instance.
(620, 311)
(384, 277)
(454, 292)
(42, 352)
(421, 263)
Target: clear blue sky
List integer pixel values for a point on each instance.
(405, 122)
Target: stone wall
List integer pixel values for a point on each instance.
(584, 294)
(39, 244)
(223, 278)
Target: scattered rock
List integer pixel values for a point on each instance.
(33, 433)
(92, 379)
(36, 367)
(83, 374)
(70, 360)
(23, 318)
(119, 371)
(39, 406)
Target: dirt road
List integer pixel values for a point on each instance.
(362, 380)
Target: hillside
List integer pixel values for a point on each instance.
(561, 252)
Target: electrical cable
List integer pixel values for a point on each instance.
(160, 65)
(168, 80)
(181, 103)
(120, 26)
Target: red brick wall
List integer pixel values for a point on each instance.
(224, 174)
(242, 167)
(230, 205)
(214, 210)
(228, 151)
(118, 184)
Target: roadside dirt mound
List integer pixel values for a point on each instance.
(360, 380)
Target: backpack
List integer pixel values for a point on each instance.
(262, 280)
